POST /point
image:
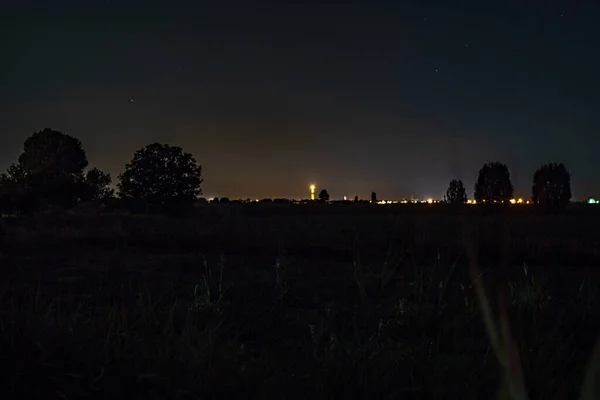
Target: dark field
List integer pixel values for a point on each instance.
(299, 302)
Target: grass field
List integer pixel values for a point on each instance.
(296, 302)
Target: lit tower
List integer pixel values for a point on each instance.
(312, 192)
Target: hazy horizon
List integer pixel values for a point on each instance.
(393, 98)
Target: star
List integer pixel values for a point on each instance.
(131, 100)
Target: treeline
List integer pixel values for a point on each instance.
(52, 173)
(551, 188)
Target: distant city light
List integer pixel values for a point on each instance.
(592, 201)
(428, 200)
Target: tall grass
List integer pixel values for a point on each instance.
(185, 324)
(532, 295)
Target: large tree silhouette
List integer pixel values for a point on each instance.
(456, 192)
(161, 176)
(48, 174)
(493, 183)
(552, 187)
(49, 152)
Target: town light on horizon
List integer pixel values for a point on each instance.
(312, 187)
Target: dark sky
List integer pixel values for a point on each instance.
(398, 97)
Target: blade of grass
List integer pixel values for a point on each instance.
(590, 390)
(501, 338)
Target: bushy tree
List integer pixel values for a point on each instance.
(97, 185)
(323, 195)
(493, 183)
(51, 152)
(48, 174)
(456, 192)
(373, 197)
(552, 187)
(162, 177)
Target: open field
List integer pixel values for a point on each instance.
(344, 301)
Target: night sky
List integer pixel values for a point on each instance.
(395, 97)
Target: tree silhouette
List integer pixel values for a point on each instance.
(323, 195)
(373, 197)
(552, 187)
(356, 199)
(14, 191)
(163, 177)
(97, 185)
(51, 152)
(456, 192)
(48, 174)
(493, 183)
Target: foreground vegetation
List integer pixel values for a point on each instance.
(239, 304)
